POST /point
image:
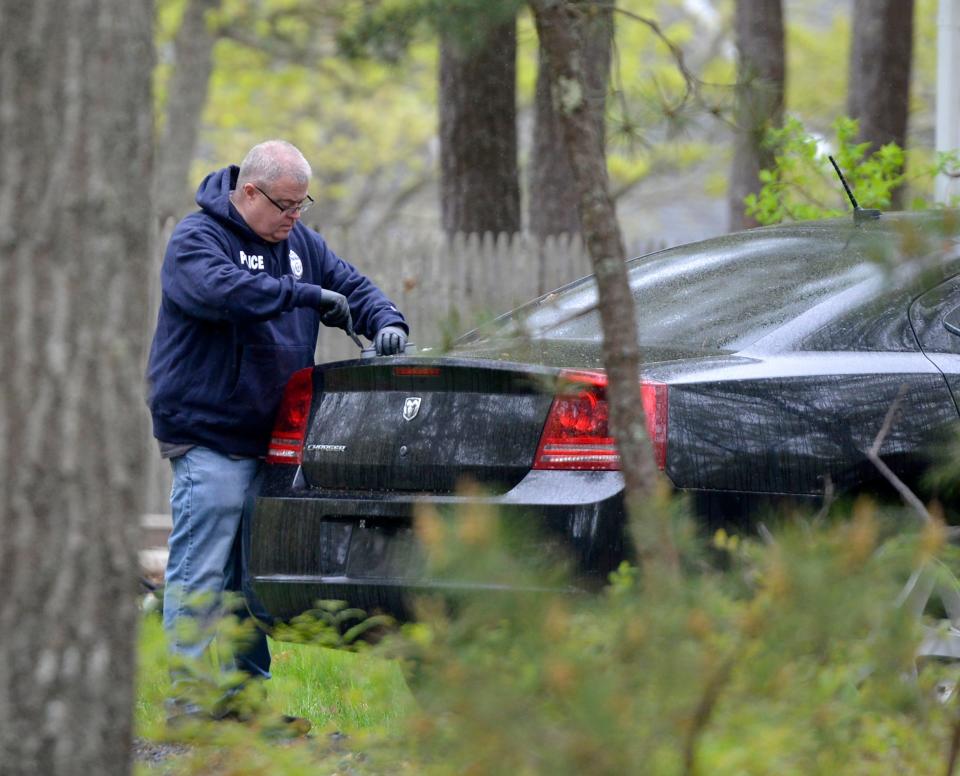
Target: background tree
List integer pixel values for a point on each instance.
(761, 73)
(557, 30)
(277, 71)
(186, 97)
(552, 195)
(881, 55)
(477, 99)
(370, 128)
(479, 181)
(76, 130)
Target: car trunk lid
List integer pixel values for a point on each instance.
(425, 425)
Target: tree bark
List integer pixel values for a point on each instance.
(552, 194)
(881, 54)
(557, 22)
(759, 98)
(479, 184)
(186, 98)
(76, 130)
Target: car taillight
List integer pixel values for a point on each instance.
(290, 428)
(577, 433)
(654, 398)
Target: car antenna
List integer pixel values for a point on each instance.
(859, 214)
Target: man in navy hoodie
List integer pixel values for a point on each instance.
(245, 287)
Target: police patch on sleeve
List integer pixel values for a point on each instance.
(296, 266)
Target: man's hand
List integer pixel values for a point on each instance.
(390, 340)
(334, 310)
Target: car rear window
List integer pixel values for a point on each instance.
(723, 295)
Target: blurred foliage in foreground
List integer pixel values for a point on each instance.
(788, 655)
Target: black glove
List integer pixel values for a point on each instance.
(390, 340)
(334, 310)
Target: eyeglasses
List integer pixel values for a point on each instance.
(301, 207)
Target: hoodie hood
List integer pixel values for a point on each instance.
(213, 197)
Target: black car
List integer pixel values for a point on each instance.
(770, 361)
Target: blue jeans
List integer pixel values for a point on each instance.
(206, 552)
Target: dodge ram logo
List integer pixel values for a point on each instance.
(411, 406)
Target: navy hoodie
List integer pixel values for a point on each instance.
(237, 317)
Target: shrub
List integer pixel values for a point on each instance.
(787, 655)
(794, 659)
(802, 184)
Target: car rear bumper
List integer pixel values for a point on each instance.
(308, 544)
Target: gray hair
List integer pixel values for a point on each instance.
(271, 160)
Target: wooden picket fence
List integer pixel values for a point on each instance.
(443, 286)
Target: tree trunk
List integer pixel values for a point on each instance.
(557, 22)
(881, 53)
(186, 98)
(552, 194)
(76, 130)
(479, 185)
(759, 98)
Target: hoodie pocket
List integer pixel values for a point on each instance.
(263, 373)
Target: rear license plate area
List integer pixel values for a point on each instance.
(377, 548)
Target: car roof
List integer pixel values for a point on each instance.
(727, 293)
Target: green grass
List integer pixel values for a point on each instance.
(335, 690)
(350, 691)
